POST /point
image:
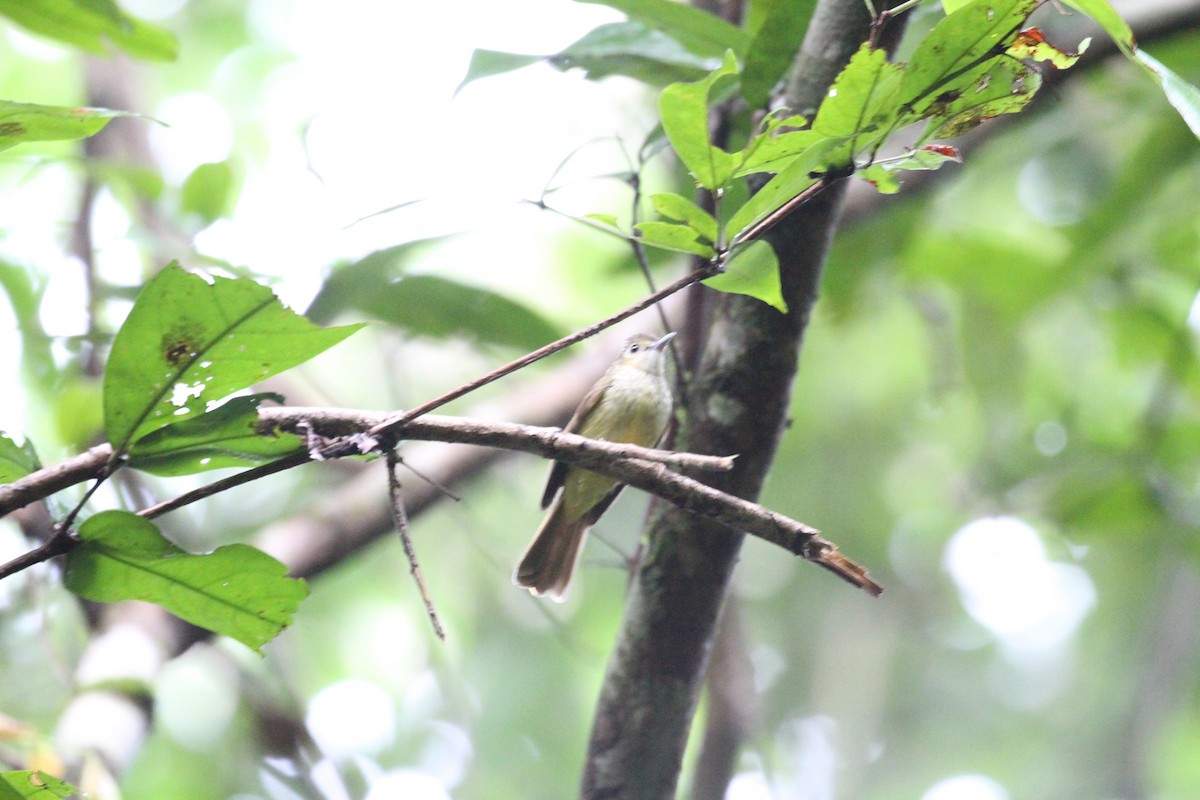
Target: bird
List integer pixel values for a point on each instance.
(631, 403)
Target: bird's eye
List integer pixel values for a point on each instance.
(633, 348)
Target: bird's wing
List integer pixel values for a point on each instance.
(558, 472)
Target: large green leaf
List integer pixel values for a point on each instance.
(684, 110)
(29, 122)
(236, 590)
(92, 25)
(699, 31)
(753, 271)
(188, 343)
(227, 436)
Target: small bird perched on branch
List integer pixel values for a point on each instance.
(631, 404)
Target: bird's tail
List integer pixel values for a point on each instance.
(548, 564)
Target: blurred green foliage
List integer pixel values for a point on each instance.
(1013, 339)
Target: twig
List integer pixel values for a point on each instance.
(47, 481)
(61, 542)
(225, 484)
(444, 490)
(766, 223)
(400, 520)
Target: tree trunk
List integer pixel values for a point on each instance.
(737, 402)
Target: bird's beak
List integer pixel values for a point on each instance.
(661, 343)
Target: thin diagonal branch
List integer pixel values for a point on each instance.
(400, 520)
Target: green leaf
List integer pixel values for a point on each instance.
(29, 784)
(1001, 86)
(351, 286)
(25, 288)
(236, 590)
(767, 153)
(776, 40)
(672, 236)
(188, 343)
(681, 209)
(950, 6)
(1031, 43)
(487, 63)
(699, 31)
(619, 48)
(29, 122)
(210, 191)
(862, 95)
(883, 179)
(635, 51)
(684, 111)
(1181, 94)
(608, 220)
(92, 25)
(801, 173)
(16, 460)
(883, 175)
(427, 305)
(227, 436)
(960, 43)
(753, 271)
(1108, 19)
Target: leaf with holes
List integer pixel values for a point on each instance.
(968, 38)
(188, 342)
(1031, 43)
(1001, 86)
(236, 590)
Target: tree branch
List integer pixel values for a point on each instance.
(644, 468)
